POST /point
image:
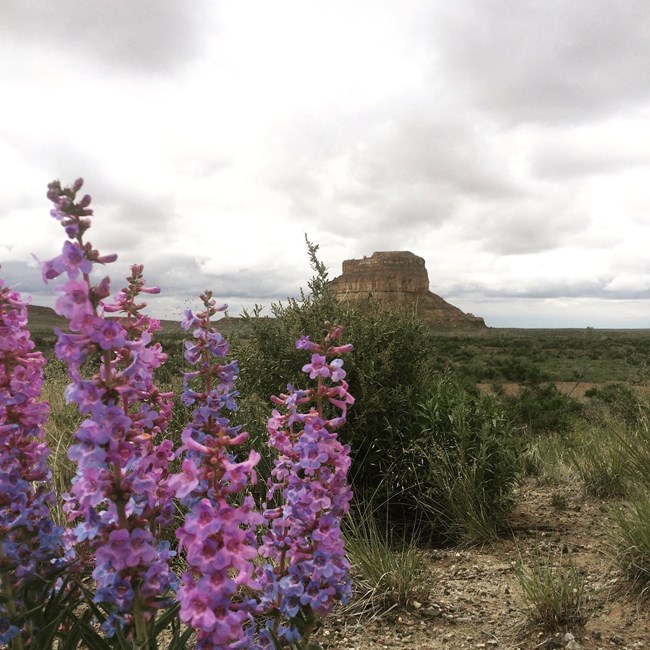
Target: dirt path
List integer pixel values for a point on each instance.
(471, 598)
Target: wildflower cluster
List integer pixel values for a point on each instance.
(218, 534)
(29, 541)
(307, 570)
(123, 498)
(119, 496)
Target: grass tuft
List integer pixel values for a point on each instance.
(631, 542)
(553, 589)
(386, 570)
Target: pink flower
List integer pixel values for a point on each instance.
(318, 367)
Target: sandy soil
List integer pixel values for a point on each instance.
(471, 598)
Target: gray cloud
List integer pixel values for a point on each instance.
(529, 226)
(544, 289)
(23, 277)
(561, 161)
(546, 60)
(186, 276)
(386, 174)
(146, 35)
(500, 130)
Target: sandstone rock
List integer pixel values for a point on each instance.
(399, 277)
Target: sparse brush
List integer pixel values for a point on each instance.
(553, 589)
(462, 468)
(634, 449)
(597, 455)
(631, 542)
(546, 459)
(386, 569)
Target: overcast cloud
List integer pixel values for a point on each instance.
(507, 143)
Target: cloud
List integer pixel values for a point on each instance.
(551, 61)
(531, 225)
(506, 143)
(400, 172)
(24, 277)
(150, 36)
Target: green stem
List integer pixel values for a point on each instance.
(10, 603)
(141, 633)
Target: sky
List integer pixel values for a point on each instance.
(506, 143)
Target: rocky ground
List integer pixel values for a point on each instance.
(470, 598)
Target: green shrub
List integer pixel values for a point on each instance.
(633, 442)
(546, 458)
(612, 455)
(618, 400)
(544, 409)
(429, 453)
(457, 474)
(387, 371)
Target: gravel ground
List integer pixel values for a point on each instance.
(471, 598)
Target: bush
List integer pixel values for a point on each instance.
(544, 409)
(388, 371)
(612, 455)
(430, 454)
(597, 455)
(458, 473)
(618, 400)
(546, 458)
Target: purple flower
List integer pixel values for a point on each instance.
(318, 367)
(309, 481)
(217, 536)
(29, 542)
(73, 260)
(119, 496)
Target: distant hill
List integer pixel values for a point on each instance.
(43, 320)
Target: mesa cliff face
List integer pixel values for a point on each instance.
(399, 277)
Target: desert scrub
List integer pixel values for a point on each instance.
(597, 455)
(388, 372)
(543, 408)
(546, 459)
(553, 589)
(461, 466)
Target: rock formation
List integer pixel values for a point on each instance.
(399, 277)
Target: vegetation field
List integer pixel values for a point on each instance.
(501, 477)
